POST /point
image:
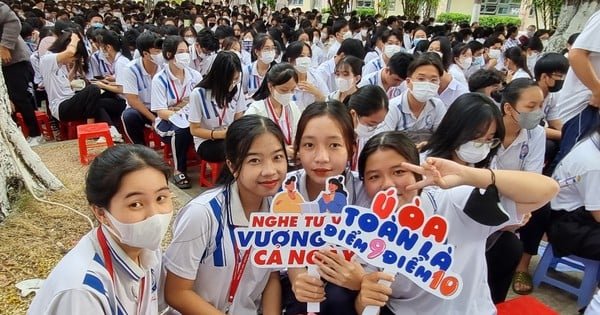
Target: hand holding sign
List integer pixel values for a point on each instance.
(375, 291)
(336, 269)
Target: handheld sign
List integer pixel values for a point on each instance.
(399, 240)
(291, 234)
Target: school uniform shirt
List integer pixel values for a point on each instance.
(520, 73)
(525, 153)
(102, 67)
(374, 65)
(375, 79)
(205, 111)
(251, 80)
(303, 98)
(56, 82)
(468, 238)
(579, 177)
(457, 74)
(327, 73)
(203, 250)
(246, 58)
(401, 118)
(374, 54)
(453, 91)
(352, 184)
(550, 107)
(318, 55)
(81, 284)
(167, 91)
(137, 81)
(575, 96)
(287, 121)
(333, 49)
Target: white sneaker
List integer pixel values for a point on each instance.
(33, 141)
(116, 136)
(101, 140)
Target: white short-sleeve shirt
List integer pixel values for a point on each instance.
(102, 67)
(550, 107)
(203, 250)
(167, 90)
(304, 99)
(287, 121)
(327, 73)
(574, 95)
(56, 82)
(375, 79)
(578, 174)
(457, 74)
(136, 80)
(81, 284)
(454, 89)
(401, 118)
(205, 111)
(374, 65)
(525, 153)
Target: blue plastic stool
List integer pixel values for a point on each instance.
(590, 268)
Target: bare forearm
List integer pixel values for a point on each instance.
(187, 302)
(553, 134)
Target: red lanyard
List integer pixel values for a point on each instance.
(238, 271)
(222, 115)
(288, 137)
(109, 266)
(177, 98)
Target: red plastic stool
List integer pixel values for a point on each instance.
(43, 122)
(215, 170)
(524, 305)
(92, 131)
(68, 129)
(152, 139)
(192, 157)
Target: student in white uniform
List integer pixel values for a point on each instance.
(391, 77)
(340, 31)
(524, 143)
(253, 74)
(115, 268)
(274, 100)
(462, 58)
(136, 80)
(368, 108)
(418, 111)
(318, 54)
(64, 103)
(580, 98)
(171, 90)
(214, 104)
(112, 56)
(349, 47)
(324, 144)
(574, 228)
(205, 270)
(516, 63)
(389, 42)
(311, 88)
(493, 53)
(204, 51)
(390, 160)
(347, 75)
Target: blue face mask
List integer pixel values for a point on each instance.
(97, 25)
(479, 61)
(416, 41)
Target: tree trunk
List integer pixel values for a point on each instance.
(572, 19)
(19, 165)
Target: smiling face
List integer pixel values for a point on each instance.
(264, 167)
(322, 150)
(383, 170)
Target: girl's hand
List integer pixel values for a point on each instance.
(310, 88)
(372, 292)
(109, 78)
(334, 268)
(308, 289)
(437, 172)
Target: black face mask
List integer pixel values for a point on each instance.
(558, 84)
(496, 96)
(486, 209)
(211, 25)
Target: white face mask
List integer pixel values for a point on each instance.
(303, 64)
(158, 59)
(283, 99)
(267, 56)
(182, 60)
(190, 40)
(364, 131)
(494, 53)
(465, 63)
(146, 234)
(424, 91)
(344, 84)
(390, 50)
(198, 27)
(473, 152)
(347, 35)
(363, 33)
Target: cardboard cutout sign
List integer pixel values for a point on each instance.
(399, 240)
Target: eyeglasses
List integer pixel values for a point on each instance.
(267, 49)
(492, 143)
